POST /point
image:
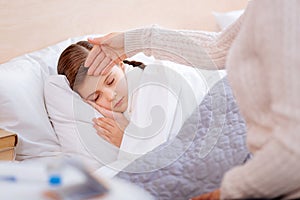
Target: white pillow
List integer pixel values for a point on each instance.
(72, 121)
(22, 108)
(227, 18)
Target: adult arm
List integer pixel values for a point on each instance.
(206, 50)
(272, 172)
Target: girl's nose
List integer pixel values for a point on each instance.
(110, 95)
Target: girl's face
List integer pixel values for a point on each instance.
(108, 91)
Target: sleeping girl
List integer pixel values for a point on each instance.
(142, 107)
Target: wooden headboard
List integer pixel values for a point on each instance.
(30, 25)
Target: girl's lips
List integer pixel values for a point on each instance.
(119, 103)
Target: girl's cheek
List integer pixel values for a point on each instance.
(103, 104)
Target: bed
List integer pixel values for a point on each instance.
(195, 164)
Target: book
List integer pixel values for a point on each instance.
(8, 153)
(7, 139)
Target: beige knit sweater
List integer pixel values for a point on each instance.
(261, 55)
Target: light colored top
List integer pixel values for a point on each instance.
(160, 99)
(261, 55)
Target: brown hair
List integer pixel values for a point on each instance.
(72, 59)
(71, 62)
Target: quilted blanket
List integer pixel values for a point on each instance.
(210, 142)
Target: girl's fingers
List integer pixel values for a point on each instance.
(104, 137)
(101, 130)
(103, 124)
(107, 120)
(113, 123)
(103, 111)
(103, 133)
(113, 116)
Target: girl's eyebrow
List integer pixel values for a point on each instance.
(104, 81)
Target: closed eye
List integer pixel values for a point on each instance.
(97, 96)
(110, 82)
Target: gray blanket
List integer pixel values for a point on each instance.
(211, 142)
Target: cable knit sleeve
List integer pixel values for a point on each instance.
(206, 50)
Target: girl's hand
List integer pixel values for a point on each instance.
(116, 116)
(107, 52)
(111, 127)
(109, 130)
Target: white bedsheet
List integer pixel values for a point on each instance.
(167, 99)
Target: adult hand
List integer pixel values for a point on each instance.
(215, 195)
(107, 52)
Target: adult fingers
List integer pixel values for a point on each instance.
(101, 66)
(108, 67)
(99, 58)
(115, 60)
(106, 64)
(208, 196)
(91, 57)
(100, 40)
(95, 41)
